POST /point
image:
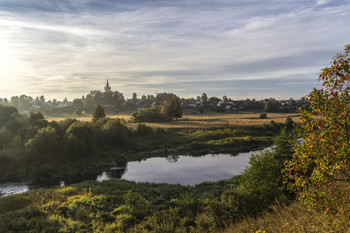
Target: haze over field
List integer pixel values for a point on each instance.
(239, 48)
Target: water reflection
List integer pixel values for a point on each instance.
(173, 158)
(186, 170)
(113, 173)
(13, 188)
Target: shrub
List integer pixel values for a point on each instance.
(263, 178)
(172, 109)
(45, 141)
(200, 109)
(272, 106)
(84, 132)
(289, 124)
(6, 113)
(98, 113)
(78, 112)
(115, 131)
(143, 130)
(66, 123)
(152, 114)
(74, 147)
(35, 116)
(263, 116)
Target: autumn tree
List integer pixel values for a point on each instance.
(322, 156)
(172, 108)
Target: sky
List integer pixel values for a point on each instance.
(238, 48)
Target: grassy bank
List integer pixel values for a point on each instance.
(297, 217)
(110, 206)
(157, 142)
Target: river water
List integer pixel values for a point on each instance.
(185, 170)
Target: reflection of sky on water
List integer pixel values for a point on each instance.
(187, 170)
(13, 188)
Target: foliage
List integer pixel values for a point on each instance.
(201, 109)
(322, 156)
(284, 145)
(143, 130)
(172, 109)
(262, 116)
(5, 137)
(74, 147)
(6, 113)
(78, 112)
(272, 105)
(84, 132)
(98, 113)
(289, 124)
(35, 117)
(263, 179)
(110, 206)
(152, 114)
(45, 142)
(115, 132)
(295, 217)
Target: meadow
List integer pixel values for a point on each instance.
(203, 121)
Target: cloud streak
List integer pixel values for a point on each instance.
(66, 48)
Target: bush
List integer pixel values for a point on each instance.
(152, 114)
(6, 113)
(46, 141)
(289, 124)
(284, 146)
(35, 116)
(98, 113)
(272, 106)
(78, 112)
(115, 131)
(263, 178)
(66, 123)
(143, 130)
(172, 109)
(263, 116)
(74, 147)
(200, 109)
(84, 132)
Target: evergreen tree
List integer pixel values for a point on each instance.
(98, 113)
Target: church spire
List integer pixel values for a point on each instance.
(107, 87)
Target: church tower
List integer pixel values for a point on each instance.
(107, 87)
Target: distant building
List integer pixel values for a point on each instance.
(107, 87)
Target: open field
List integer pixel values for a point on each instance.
(207, 120)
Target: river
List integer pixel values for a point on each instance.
(185, 170)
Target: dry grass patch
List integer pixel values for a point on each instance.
(225, 120)
(205, 120)
(295, 218)
(87, 118)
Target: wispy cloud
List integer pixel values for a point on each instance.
(66, 48)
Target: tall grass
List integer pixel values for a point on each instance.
(299, 218)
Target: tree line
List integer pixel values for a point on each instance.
(114, 102)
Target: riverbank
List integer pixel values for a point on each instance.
(119, 205)
(159, 143)
(57, 150)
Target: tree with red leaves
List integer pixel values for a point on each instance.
(322, 155)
